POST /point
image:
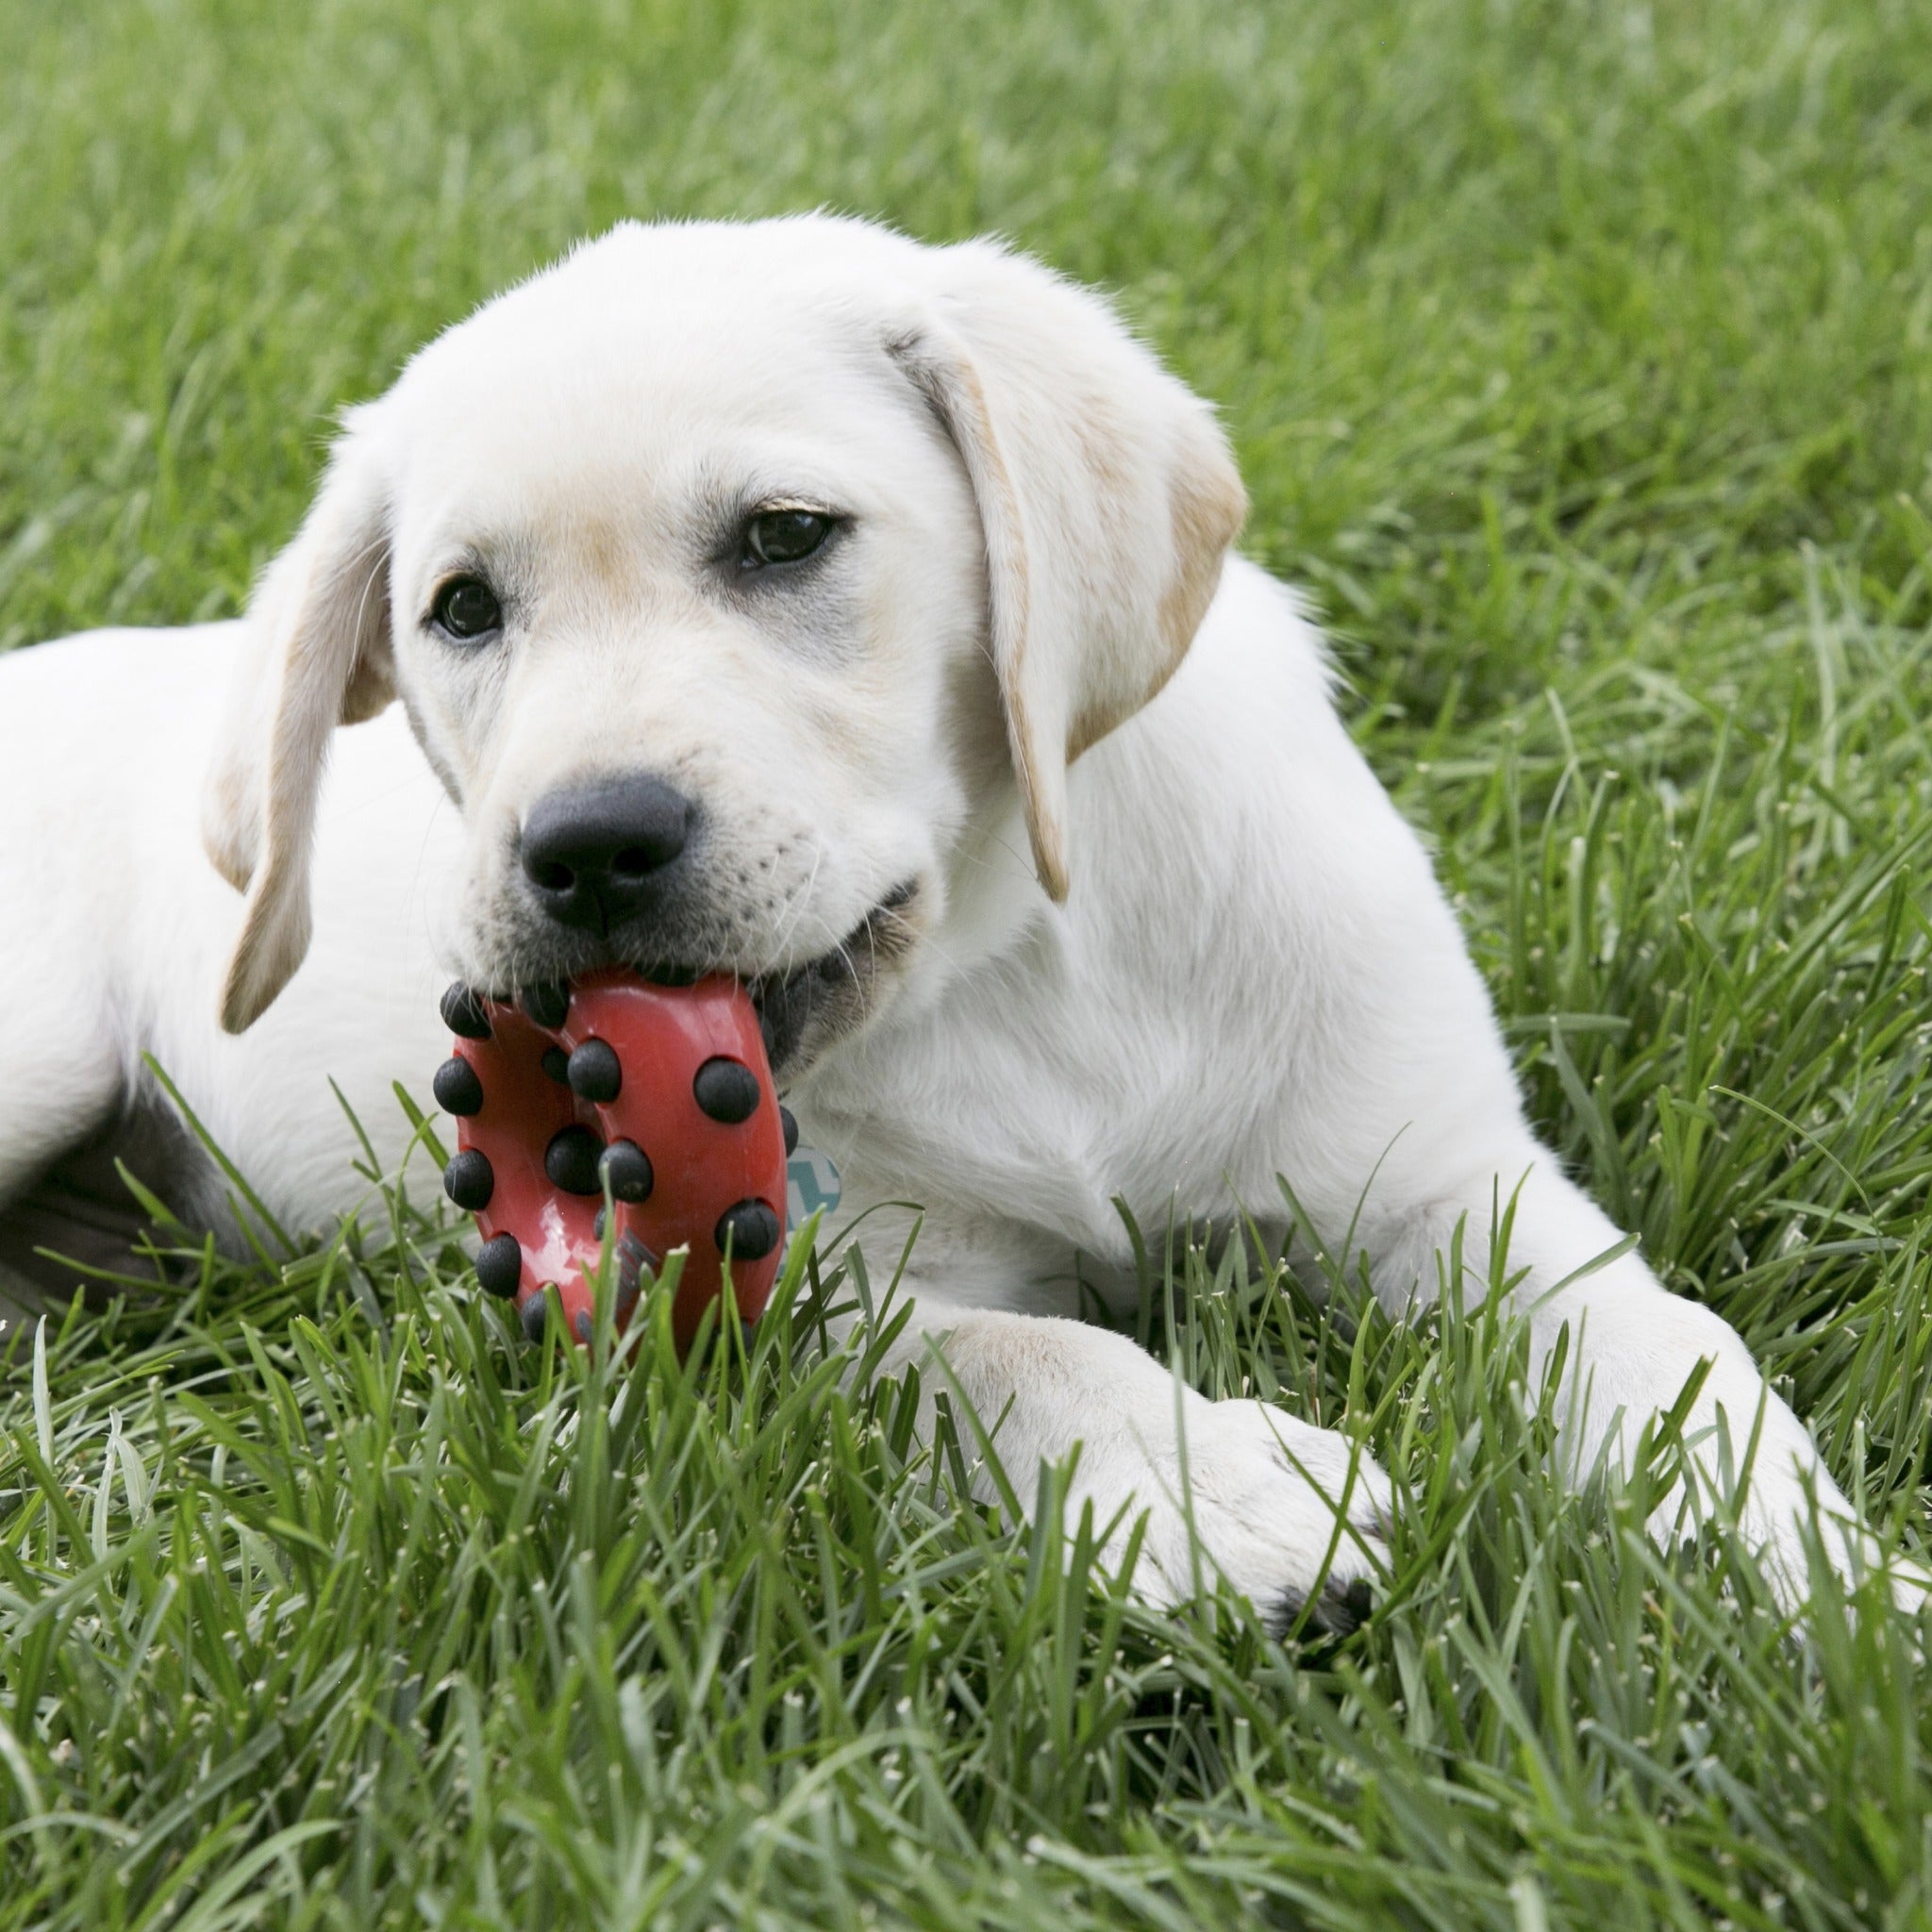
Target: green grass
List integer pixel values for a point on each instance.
(1580, 360)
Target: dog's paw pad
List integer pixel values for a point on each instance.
(1339, 1607)
(1346, 1607)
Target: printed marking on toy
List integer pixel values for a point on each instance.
(811, 1185)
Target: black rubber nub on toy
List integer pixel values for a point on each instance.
(788, 1121)
(500, 1266)
(536, 1315)
(628, 1168)
(595, 1074)
(555, 1062)
(469, 1180)
(752, 1229)
(457, 1087)
(571, 1160)
(547, 1005)
(726, 1090)
(463, 1014)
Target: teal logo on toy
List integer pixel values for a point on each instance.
(811, 1186)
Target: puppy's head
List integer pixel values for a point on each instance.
(729, 574)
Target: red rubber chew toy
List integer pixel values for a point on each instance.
(665, 1092)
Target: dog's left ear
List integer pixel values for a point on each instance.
(316, 655)
(1107, 496)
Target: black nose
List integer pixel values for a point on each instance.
(593, 856)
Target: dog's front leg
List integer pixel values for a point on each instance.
(1633, 1348)
(1289, 1515)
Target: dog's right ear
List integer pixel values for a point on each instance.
(317, 655)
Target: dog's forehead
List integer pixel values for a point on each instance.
(632, 366)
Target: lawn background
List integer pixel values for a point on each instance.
(1579, 357)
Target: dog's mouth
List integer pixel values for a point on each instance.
(806, 1008)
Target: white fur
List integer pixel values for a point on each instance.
(1254, 971)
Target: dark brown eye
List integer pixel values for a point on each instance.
(783, 535)
(467, 608)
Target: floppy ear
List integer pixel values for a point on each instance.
(1107, 496)
(317, 655)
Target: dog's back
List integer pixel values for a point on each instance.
(114, 926)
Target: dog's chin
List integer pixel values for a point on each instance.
(804, 1011)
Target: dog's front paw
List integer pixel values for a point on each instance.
(1790, 1501)
(1290, 1516)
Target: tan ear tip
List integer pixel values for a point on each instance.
(246, 995)
(241, 1006)
(229, 863)
(1224, 503)
(1045, 836)
(273, 944)
(1238, 509)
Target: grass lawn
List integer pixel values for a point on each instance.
(1580, 362)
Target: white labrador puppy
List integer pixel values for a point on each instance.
(857, 616)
